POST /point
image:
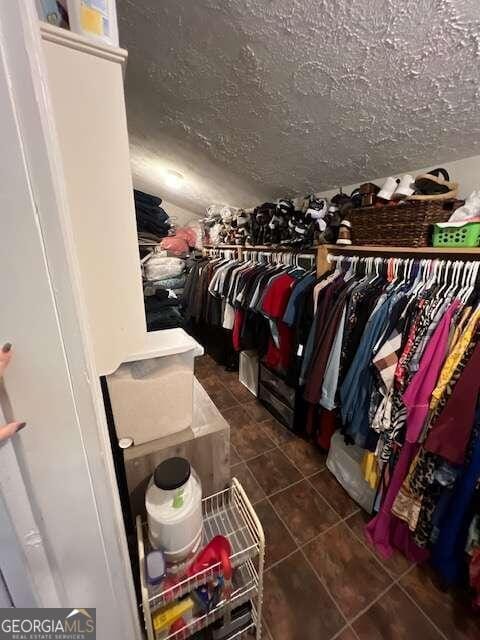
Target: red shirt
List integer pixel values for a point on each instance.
(274, 305)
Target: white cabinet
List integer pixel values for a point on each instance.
(85, 86)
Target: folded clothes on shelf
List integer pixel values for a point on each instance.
(163, 267)
(177, 282)
(151, 218)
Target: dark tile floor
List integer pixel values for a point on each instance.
(322, 580)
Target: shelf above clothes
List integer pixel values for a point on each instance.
(402, 250)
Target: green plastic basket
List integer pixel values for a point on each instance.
(468, 235)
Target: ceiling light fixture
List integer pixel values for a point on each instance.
(173, 179)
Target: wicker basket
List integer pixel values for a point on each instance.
(404, 225)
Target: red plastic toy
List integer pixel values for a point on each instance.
(218, 550)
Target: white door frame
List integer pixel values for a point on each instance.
(56, 477)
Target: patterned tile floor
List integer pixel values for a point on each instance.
(322, 580)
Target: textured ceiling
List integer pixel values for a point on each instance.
(261, 98)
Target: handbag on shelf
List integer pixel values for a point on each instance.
(435, 185)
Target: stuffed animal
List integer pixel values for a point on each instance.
(232, 231)
(273, 231)
(315, 214)
(219, 224)
(242, 224)
(302, 231)
(222, 233)
(212, 224)
(261, 234)
(284, 213)
(340, 206)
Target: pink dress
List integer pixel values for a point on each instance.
(419, 392)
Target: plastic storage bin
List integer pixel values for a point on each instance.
(278, 386)
(345, 461)
(151, 393)
(248, 371)
(277, 408)
(466, 234)
(152, 398)
(174, 509)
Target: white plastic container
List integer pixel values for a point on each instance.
(248, 371)
(151, 393)
(95, 19)
(345, 462)
(152, 398)
(174, 509)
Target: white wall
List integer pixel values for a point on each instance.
(182, 215)
(68, 523)
(466, 172)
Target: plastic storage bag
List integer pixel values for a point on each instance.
(345, 462)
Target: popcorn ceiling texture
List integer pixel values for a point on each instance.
(252, 99)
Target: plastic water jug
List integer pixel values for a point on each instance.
(174, 509)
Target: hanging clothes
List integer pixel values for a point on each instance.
(393, 346)
(448, 552)
(450, 434)
(259, 302)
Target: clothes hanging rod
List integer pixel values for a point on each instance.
(221, 246)
(270, 248)
(369, 249)
(324, 250)
(338, 257)
(468, 251)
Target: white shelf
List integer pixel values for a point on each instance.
(228, 513)
(67, 38)
(84, 82)
(166, 342)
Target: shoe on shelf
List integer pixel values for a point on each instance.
(345, 232)
(317, 209)
(406, 187)
(388, 188)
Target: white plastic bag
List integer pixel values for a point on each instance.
(160, 268)
(471, 209)
(345, 462)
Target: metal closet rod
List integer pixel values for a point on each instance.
(241, 252)
(259, 247)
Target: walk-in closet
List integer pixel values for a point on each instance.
(240, 339)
